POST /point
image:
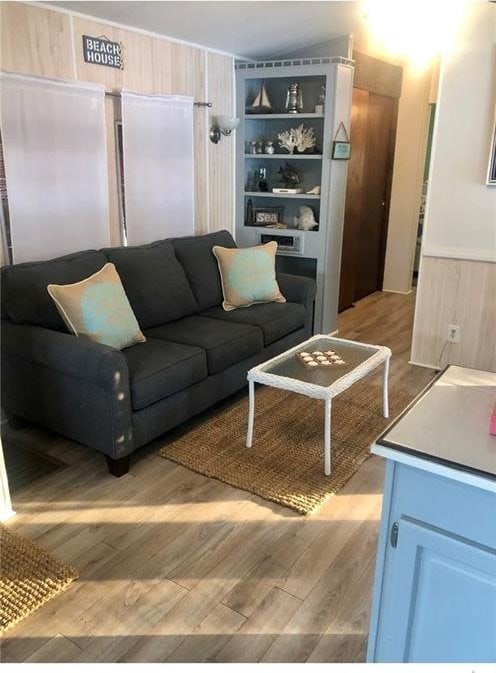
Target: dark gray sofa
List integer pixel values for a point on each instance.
(196, 354)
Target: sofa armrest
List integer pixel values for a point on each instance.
(298, 289)
(64, 353)
(70, 385)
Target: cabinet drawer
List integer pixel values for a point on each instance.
(461, 509)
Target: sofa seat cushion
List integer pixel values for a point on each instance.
(160, 368)
(224, 342)
(275, 320)
(154, 281)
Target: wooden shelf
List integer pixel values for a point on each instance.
(288, 231)
(287, 115)
(271, 195)
(283, 156)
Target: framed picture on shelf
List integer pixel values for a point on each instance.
(267, 216)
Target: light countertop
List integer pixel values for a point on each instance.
(449, 424)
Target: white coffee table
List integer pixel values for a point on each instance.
(286, 371)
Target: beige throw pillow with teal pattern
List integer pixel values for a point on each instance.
(98, 308)
(248, 275)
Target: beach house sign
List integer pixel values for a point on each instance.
(102, 51)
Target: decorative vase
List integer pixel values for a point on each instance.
(269, 147)
(319, 107)
(262, 179)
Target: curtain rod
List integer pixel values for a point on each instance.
(197, 104)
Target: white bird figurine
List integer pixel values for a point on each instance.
(306, 220)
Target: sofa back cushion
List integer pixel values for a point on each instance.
(196, 256)
(25, 298)
(154, 281)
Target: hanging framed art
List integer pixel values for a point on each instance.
(341, 149)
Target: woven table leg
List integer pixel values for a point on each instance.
(251, 414)
(385, 400)
(327, 438)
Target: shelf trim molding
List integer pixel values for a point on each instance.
(284, 156)
(284, 115)
(292, 62)
(469, 254)
(271, 195)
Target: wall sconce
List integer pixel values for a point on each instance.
(225, 126)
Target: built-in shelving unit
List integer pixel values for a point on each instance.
(316, 252)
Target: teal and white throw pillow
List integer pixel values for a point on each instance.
(248, 275)
(98, 308)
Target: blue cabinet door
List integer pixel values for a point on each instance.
(442, 599)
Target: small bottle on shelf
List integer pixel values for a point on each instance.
(249, 213)
(269, 147)
(262, 179)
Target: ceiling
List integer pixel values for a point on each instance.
(246, 29)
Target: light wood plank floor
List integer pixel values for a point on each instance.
(178, 567)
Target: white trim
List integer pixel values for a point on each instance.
(428, 465)
(134, 29)
(6, 511)
(423, 364)
(469, 254)
(397, 291)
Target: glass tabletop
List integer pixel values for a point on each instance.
(291, 366)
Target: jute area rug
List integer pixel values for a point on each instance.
(29, 577)
(285, 464)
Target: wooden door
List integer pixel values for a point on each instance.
(373, 130)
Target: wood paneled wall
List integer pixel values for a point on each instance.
(39, 41)
(461, 292)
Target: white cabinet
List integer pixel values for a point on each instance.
(435, 587)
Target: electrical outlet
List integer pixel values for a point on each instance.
(454, 333)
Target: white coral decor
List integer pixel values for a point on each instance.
(301, 138)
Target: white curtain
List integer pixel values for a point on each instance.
(56, 166)
(157, 136)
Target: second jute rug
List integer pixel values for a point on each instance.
(285, 464)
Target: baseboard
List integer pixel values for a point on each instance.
(336, 331)
(423, 364)
(397, 291)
